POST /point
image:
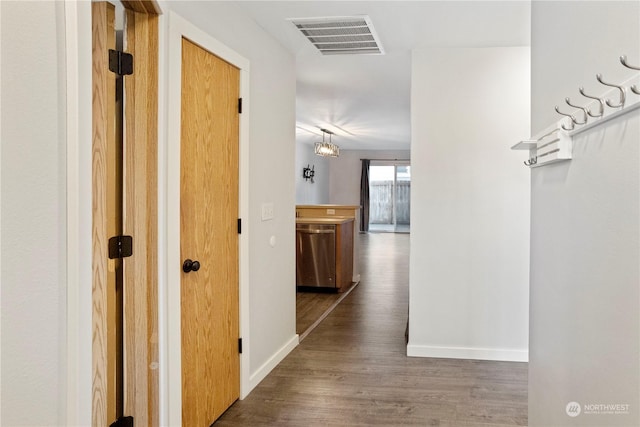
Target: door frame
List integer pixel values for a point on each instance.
(169, 285)
(138, 212)
(76, 18)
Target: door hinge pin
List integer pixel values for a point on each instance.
(239, 225)
(120, 63)
(123, 422)
(240, 345)
(239, 105)
(120, 247)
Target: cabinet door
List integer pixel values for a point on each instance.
(344, 254)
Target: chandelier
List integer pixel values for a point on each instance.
(327, 149)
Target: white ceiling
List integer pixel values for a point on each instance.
(365, 99)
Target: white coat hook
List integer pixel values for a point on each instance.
(623, 61)
(573, 119)
(584, 111)
(623, 94)
(600, 104)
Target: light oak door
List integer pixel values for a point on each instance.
(107, 291)
(124, 201)
(209, 235)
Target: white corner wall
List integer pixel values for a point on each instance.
(346, 170)
(271, 170)
(307, 192)
(470, 204)
(585, 225)
(33, 233)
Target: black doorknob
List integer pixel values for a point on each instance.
(189, 265)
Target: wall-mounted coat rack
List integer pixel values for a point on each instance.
(554, 144)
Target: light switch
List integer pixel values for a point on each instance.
(267, 211)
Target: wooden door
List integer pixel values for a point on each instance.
(124, 188)
(107, 222)
(209, 235)
(140, 204)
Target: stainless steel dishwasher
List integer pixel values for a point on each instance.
(316, 255)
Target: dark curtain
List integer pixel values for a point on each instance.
(364, 195)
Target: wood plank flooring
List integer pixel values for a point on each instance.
(352, 369)
(313, 306)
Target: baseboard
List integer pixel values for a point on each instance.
(272, 362)
(468, 353)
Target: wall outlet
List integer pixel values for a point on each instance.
(267, 211)
(331, 211)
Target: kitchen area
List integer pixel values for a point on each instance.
(327, 238)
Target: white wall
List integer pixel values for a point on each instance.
(307, 192)
(271, 169)
(33, 214)
(34, 195)
(346, 170)
(585, 225)
(469, 204)
(337, 179)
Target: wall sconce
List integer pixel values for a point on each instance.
(308, 173)
(327, 149)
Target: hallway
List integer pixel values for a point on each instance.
(353, 370)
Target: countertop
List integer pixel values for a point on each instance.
(328, 206)
(325, 220)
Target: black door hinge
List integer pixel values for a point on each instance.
(120, 247)
(239, 225)
(123, 422)
(239, 105)
(240, 345)
(120, 63)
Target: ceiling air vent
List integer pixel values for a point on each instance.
(341, 35)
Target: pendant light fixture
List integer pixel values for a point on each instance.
(327, 149)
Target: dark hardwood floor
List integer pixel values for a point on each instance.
(352, 369)
(312, 306)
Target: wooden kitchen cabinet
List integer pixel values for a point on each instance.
(337, 212)
(344, 255)
(324, 253)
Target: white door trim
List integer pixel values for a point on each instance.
(78, 350)
(169, 292)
